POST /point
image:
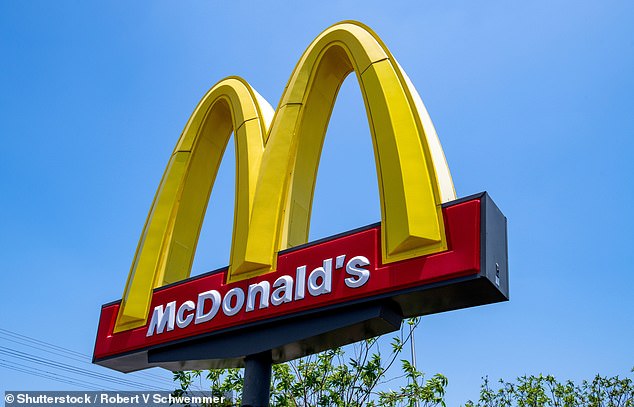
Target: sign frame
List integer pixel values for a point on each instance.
(302, 333)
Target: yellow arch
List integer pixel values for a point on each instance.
(413, 175)
(168, 242)
(277, 167)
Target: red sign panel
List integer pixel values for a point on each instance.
(325, 273)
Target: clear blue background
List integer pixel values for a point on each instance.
(533, 102)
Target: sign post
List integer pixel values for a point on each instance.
(282, 297)
(257, 380)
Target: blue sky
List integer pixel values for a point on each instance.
(532, 102)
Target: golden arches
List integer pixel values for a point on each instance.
(277, 167)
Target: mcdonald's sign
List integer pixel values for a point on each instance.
(430, 253)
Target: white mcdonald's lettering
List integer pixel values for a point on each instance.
(258, 295)
(214, 297)
(162, 318)
(359, 275)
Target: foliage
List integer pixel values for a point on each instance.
(546, 391)
(221, 383)
(337, 378)
(358, 378)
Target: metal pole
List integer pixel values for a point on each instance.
(257, 380)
